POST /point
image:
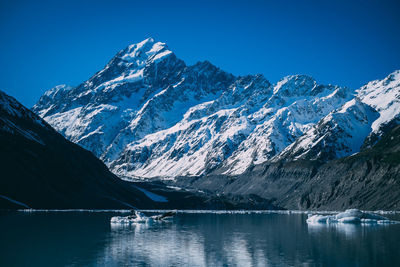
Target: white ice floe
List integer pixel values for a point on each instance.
(353, 216)
(140, 218)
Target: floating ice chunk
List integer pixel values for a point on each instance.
(138, 218)
(320, 219)
(353, 216)
(132, 219)
(349, 220)
(349, 213)
(359, 214)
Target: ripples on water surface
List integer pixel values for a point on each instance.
(193, 239)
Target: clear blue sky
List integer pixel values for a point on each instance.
(45, 43)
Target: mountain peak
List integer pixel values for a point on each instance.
(384, 96)
(295, 85)
(298, 79)
(148, 40)
(53, 91)
(394, 76)
(204, 65)
(147, 49)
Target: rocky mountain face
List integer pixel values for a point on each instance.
(358, 123)
(368, 180)
(147, 114)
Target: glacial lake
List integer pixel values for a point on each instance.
(192, 239)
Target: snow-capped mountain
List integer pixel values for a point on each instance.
(343, 131)
(148, 114)
(340, 133)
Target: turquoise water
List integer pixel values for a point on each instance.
(88, 239)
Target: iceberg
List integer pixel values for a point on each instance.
(139, 218)
(352, 216)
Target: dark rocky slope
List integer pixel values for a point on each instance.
(368, 180)
(40, 169)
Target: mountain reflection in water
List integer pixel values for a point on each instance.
(79, 238)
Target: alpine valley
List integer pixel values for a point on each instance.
(297, 143)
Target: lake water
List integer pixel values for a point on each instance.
(88, 239)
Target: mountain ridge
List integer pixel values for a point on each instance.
(147, 114)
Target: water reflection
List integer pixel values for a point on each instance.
(155, 245)
(348, 230)
(248, 240)
(169, 245)
(79, 239)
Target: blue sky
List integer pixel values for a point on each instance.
(45, 43)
